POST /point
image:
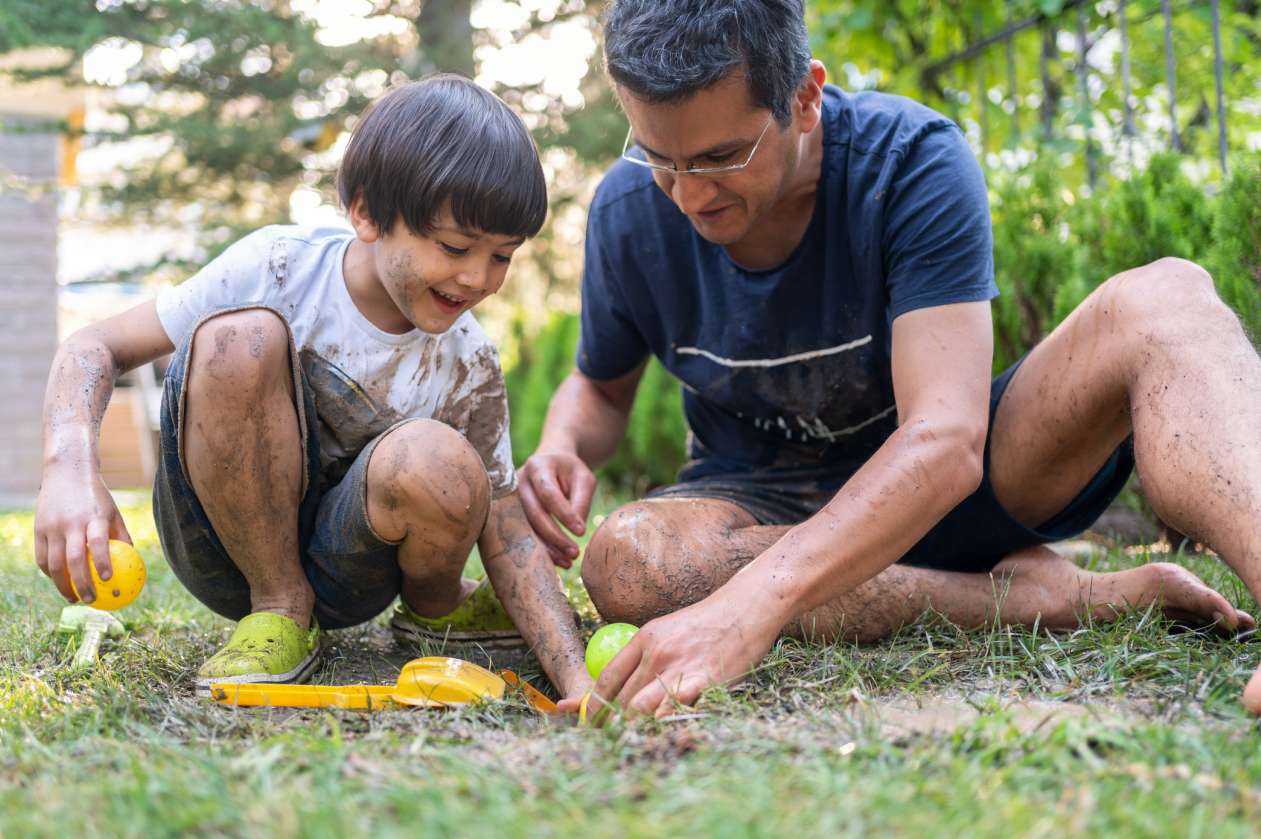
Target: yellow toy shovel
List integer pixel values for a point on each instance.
(430, 682)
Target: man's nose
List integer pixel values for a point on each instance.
(691, 193)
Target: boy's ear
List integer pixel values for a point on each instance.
(365, 228)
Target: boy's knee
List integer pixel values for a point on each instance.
(248, 348)
(425, 469)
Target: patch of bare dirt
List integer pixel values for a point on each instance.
(934, 715)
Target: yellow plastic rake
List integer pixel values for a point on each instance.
(430, 682)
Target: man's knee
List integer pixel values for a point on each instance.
(425, 470)
(616, 542)
(1170, 294)
(247, 350)
(621, 566)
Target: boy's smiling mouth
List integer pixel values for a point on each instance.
(447, 302)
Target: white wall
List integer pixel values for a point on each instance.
(28, 306)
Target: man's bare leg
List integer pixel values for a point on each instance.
(244, 454)
(428, 490)
(1154, 352)
(656, 556)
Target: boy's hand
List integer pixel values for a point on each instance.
(581, 685)
(73, 515)
(557, 486)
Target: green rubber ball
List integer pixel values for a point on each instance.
(607, 642)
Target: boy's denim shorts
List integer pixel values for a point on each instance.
(352, 570)
(974, 536)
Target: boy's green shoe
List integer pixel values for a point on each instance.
(266, 647)
(479, 620)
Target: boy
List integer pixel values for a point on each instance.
(334, 421)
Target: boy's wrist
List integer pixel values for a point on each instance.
(63, 459)
(69, 448)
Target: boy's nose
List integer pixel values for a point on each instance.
(473, 279)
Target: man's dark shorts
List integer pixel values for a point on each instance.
(975, 536)
(353, 571)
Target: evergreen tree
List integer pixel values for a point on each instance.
(239, 100)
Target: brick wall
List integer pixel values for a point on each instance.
(28, 309)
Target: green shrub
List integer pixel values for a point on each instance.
(543, 361)
(1158, 212)
(656, 439)
(1052, 248)
(1036, 255)
(1235, 259)
(654, 446)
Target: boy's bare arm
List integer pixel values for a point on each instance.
(74, 510)
(525, 581)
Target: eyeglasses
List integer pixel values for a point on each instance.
(671, 169)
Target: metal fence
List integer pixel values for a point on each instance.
(1077, 16)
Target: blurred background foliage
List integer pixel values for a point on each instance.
(218, 116)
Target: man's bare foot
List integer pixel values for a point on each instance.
(1252, 694)
(1185, 598)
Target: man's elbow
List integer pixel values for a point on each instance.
(957, 451)
(968, 452)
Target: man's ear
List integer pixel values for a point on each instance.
(365, 228)
(808, 103)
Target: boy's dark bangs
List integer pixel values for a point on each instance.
(445, 144)
(489, 178)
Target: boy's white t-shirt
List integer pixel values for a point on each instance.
(365, 379)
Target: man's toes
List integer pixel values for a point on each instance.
(1252, 694)
(1189, 601)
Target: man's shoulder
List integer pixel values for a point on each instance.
(876, 124)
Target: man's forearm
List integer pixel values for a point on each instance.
(79, 388)
(900, 494)
(584, 421)
(525, 581)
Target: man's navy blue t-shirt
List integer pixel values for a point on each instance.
(788, 369)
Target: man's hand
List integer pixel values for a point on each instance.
(673, 659)
(557, 487)
(73, 514)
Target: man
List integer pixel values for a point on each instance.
(816, 268)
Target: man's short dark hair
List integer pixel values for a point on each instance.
(441, 142)
(667, 50)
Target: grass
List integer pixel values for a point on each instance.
(1116, 727)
